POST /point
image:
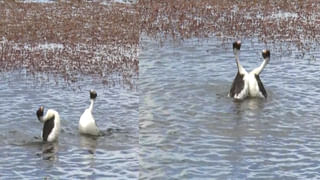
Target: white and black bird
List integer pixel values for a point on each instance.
(51, 126)
(248, 84)
(87, 124)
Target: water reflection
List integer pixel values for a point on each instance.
(50, 150)
(252, 105)
(89, 143)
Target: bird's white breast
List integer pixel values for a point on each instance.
(253, 86)
(87, 123)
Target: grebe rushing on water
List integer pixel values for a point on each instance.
(51, 127)
(248, 84)
(87, 124)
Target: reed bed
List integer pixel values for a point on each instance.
(70, 39)
(75, 38)
(293, 22)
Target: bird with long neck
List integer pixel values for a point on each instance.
(248, 84)
(51, 126)
(266, 59)
(87, 123)
(236, 52)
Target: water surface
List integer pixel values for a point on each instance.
(190, 129)
(24, 156)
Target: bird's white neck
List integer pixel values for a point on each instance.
(240, 68)
(48, 116)
(259, 69)
(91, 105)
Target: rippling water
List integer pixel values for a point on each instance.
(190, 129)
(24, 156)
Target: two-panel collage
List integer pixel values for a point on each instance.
(159, 89)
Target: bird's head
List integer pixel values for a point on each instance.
(266, 54)
(93, 94)
(40, 112)
(236, 47)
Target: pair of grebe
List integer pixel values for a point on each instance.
(244, 85)
(248, 84)
(51, 127)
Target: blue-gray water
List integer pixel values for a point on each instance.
(190, 129)
(74, 156)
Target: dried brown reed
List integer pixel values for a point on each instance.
(70, 40)
(89, 38)
(271, 21)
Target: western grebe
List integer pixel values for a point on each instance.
(51, 127)
(248, 84)
(87, 124)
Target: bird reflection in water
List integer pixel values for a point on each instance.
(251, 105)
(50, 150)
(89, 142)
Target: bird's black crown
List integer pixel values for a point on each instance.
(266, 54)
(93, 94)
(237, 45)
(40, 112)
